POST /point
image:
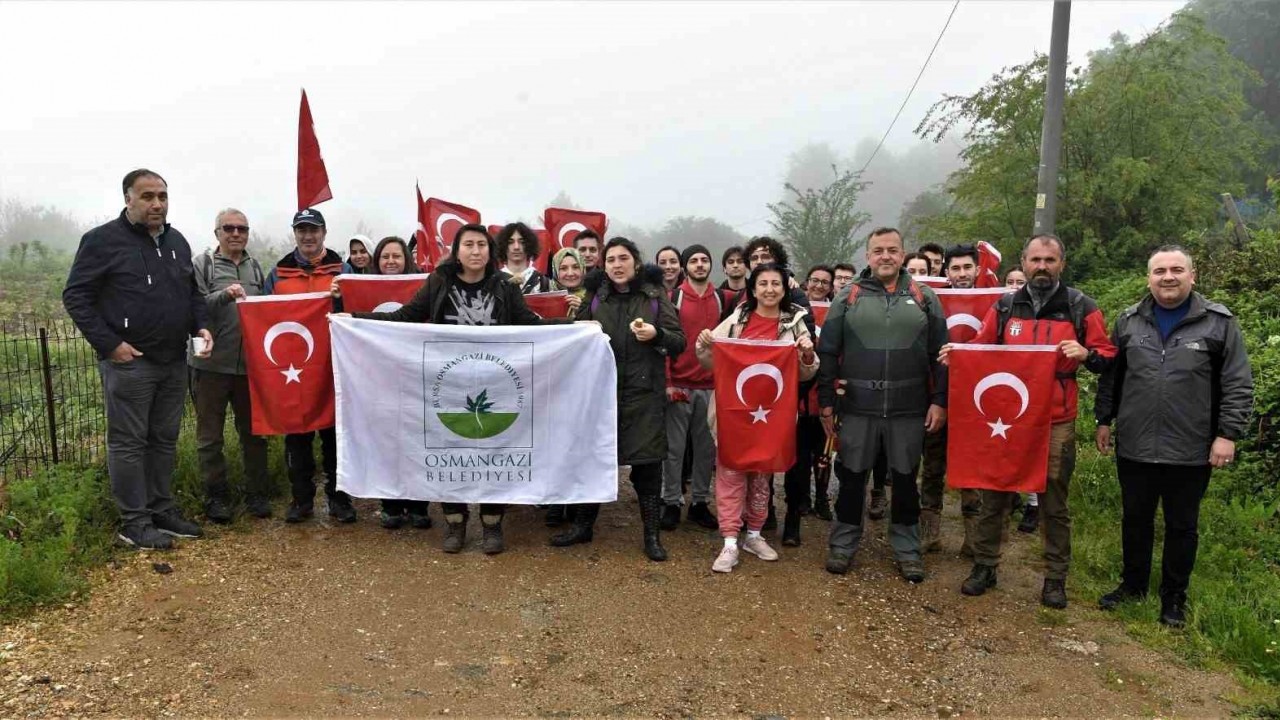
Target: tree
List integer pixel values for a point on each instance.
(916, 214)
(819, 225)
(1153, 133)
(22, 223)
(687, 230)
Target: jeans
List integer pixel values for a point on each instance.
(144, 401)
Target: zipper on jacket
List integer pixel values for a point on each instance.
(126, 323)
(888, 312)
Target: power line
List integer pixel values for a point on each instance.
(919, 75)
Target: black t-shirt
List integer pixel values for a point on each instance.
(469, 304)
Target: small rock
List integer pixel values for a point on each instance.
(162, 568)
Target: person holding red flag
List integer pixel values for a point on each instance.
(767, 314)
(881, 340)
(1045, 312)
(310, 267)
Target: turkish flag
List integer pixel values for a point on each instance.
(443, 219)
(563, 225)
(988, 265)
(378, 293)
(757, 388)
(286, 350)
(1000, 402)
(820, 309)
(932, 281)
(965, 309)
(313, 179)
(553, 304)
(421, 235)
(495, 229)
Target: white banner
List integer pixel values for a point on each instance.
(509, 414)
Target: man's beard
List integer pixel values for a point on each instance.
(1043, 281)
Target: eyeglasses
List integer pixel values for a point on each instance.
(229, 229)
(816, 281)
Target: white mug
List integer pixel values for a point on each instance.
(198, 345)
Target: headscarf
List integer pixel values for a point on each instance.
(365, 242)
(560, 255)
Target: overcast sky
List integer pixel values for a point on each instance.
(642, 110)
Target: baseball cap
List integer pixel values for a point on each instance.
(308, 216)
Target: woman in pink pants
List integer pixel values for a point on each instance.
(767, 314)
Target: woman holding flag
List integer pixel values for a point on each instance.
(767, 314)
(631, 306)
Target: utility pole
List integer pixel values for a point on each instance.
(1051, 131)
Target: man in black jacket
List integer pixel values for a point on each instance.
(132, 295)
(1180, 393)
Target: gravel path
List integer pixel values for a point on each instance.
(264, 619)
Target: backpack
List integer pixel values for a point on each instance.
(1075, 307)
(912, 287)
(677, 297)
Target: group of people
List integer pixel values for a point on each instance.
(1175, 381)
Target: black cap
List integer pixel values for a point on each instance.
(689, 252)
(308, 217)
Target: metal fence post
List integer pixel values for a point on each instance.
(47, 370)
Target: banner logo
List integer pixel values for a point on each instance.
(478, 394)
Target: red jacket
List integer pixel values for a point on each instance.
(1013, 321)
(697, 313)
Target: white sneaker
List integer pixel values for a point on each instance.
(758, 547)
(727, 559)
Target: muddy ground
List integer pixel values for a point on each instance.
(265, 619)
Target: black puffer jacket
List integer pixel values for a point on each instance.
(642, 380)
(428, 305)
(124, 287)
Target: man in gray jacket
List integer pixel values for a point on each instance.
(224, 274)
(1180, 392)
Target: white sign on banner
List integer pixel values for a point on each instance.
(508, 414)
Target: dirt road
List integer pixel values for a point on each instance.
(265, 619)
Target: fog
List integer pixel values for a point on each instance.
(646, 111)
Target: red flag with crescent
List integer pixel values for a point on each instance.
(932, 281)
(286, 350)
(756, 390)
(421, 235)
(988, 266)
(820, 309)
(443, 219)
(563, 225)
(965, 309)
(378, 293)
(313, 179)
(1000, 402)
(554, 304)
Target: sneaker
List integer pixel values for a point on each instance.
(258, 507)
(144, 537)
(758, 547)
(670, 517)
(171, 523)
(981, 579)
(389, 521)
(298, 512)
(911, 570)
(1173, 611)
(1030, 519)
(726, 560)
(342, 510)
(701, 514)
(1118, 597)
(879, 505)
(218, 510)
(420, 521)
(1054, 594)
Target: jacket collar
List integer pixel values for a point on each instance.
(141, 229)
(1057, 302)
(1147, 308)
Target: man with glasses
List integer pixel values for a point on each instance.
(843, 276)
(224, 274)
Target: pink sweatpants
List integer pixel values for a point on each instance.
(734, 490)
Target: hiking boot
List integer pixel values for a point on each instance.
(701, 514)
(930, 531)
(911, 570)
(583, 530)
(838, 563)
(1121, 595)
(805, 506)
(144, 537)
(298, 512)
(421, 521)
(981, 579)
(727, 560)
(1030, 519)
(455, 534)
(341, 509)
(758, 547)
(492, 541)
(1054, 594)
(879, 505)
(391, 521)
(791, 528)
(670, 517)
(555, 516)
(770, 520)
(1173, 610)
(173, 524)
(650, 516)
(258, 506)
(218, 510)
(822, 507)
